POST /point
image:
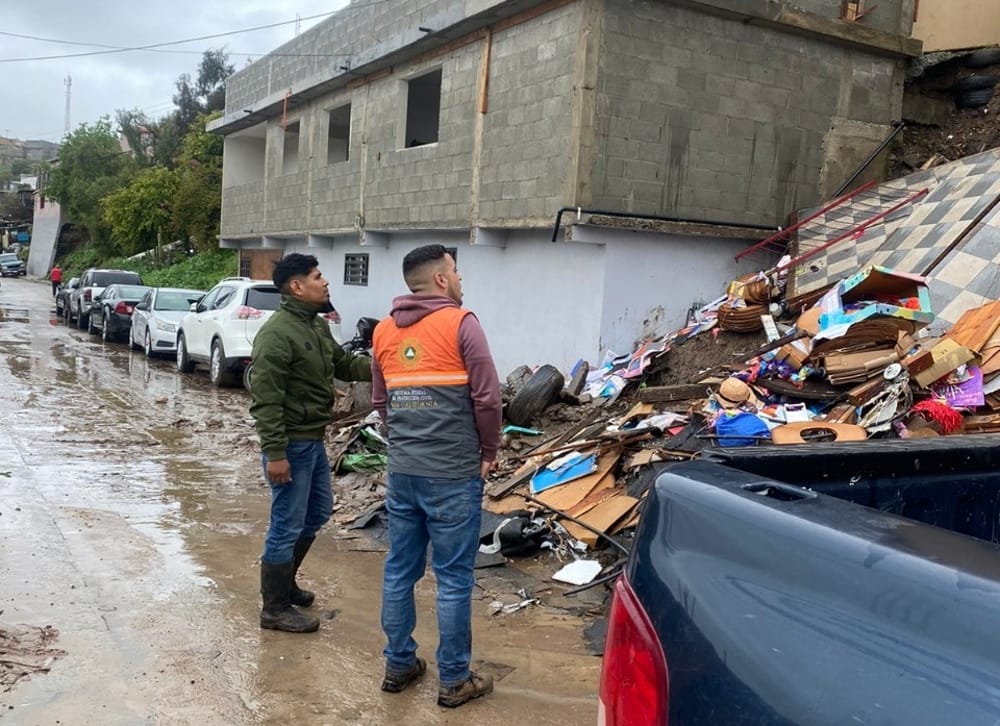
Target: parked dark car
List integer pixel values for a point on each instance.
(63, 293)
(111, 313)
(813, 585)
(11, 265)
(92, 283)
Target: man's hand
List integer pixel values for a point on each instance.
(279, 472)
(485, 468)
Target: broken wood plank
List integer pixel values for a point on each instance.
(564, 496)
(774, 344)
(681, 392)
(605, 489)
(602, 518)
(523, 473)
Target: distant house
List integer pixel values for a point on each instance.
(693, 125)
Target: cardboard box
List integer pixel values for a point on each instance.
(946, 355)
(881, 293)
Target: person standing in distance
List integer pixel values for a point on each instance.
(55, 275)
(435, 385)
(295, 360)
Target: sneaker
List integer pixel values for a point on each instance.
(476, 686)
(396, 682)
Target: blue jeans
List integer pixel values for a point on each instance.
(303, 505)
(445, 513)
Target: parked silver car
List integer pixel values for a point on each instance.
(156, 317)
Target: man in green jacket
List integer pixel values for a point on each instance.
(295, 360)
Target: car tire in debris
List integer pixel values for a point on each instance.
(974, 83)
(974, 99)
(983, 58)
(184, 364)
(217, 372)
(538, 393)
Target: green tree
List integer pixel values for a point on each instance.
(198, 202)
(140, 213)
(204, 95)
(91, 166)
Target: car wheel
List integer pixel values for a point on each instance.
(217, 372)
(67, 316)
(92, 326)
(147, 345)
(184, 364)
(538, 393)
(81, 321)
(106, 330)
(247, 373)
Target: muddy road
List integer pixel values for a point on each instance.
(132, 516)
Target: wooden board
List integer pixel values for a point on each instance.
(975, 328)
(605, 489)
(602, 517)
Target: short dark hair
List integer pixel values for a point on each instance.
(291, 266)
(415, 259)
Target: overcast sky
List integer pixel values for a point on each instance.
(34, 91)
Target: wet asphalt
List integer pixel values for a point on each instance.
(132, 515)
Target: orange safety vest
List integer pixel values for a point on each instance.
(423, 354)
(429, 411)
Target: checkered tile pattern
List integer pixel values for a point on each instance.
(969, 276)
(916, 238)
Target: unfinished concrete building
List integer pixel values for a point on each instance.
(472, 122)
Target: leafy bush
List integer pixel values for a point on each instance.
(200, 271)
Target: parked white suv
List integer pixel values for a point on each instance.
(220, 328)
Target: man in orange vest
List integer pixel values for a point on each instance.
(436, 387)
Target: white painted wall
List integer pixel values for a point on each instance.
(538, 302)
(543, 302)
(652, 279)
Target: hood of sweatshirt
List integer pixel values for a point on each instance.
(410, 309)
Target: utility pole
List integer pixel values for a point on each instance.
(69, 82)
(298, 23)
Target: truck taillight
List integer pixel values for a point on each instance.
(123, 308)
(245, 312)
(86, 295)
(634, 683)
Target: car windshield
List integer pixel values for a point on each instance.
(103, 279)
(175, 300)
(9, 257)
(263, 298)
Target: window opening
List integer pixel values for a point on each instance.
(423, 109)
(290, 158)
(356, 269)
(338, 143)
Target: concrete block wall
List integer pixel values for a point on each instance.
(526, 143)
(429, 185)
(358, 34)
(527, 133)
(705, 117)
(243, 209)
(889, 16)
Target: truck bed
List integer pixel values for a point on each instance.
(778, 604)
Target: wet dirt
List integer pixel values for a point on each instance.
(132, 516)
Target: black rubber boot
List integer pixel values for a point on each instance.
(298, 596)
(278, 612)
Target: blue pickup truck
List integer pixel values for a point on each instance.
(813, 585)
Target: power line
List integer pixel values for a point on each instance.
(109, 50)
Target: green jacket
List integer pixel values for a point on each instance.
(295, 360)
